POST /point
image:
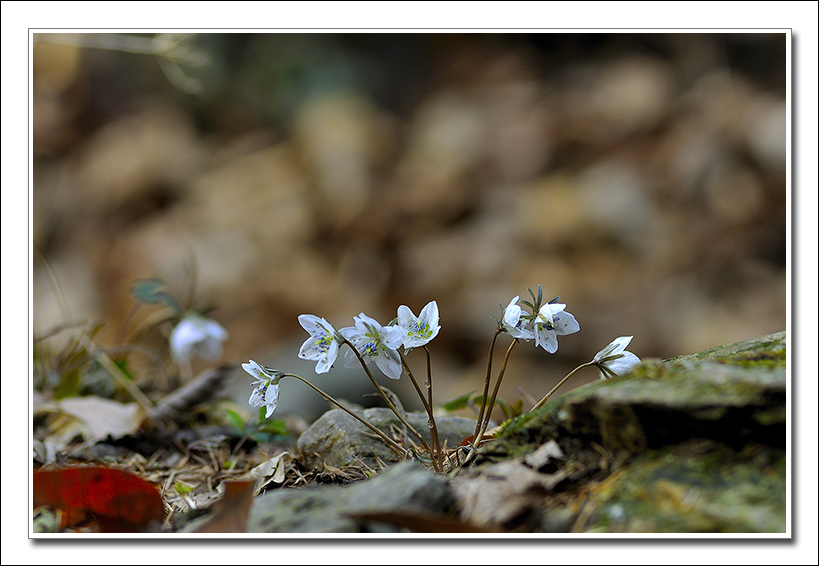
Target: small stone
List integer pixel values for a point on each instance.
(405, 488)
(337, 439)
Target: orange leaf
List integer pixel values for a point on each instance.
(119, 500)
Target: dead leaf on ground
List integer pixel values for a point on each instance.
(120, 501)
(499, 493)
(230, 513)
(272, 470)
(542, 456)
(92, 418)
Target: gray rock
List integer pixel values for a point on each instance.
(336, 439)
(404, 488)
(692, 444)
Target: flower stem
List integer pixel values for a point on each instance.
(486, 383)
(390, 442)
(428, 409)
(433, 427)
(545, 398)
(477, 440)
(386, 399)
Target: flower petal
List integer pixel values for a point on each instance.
(565, 323)
(622, 366)
(546, 338)
(405, 317)
(255, 370)
(389, 362)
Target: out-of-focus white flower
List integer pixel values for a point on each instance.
(418, 331)
(196, 334)
(375, 342)
(552, 321)
(266, 392)
(514, 324)
(613, 360)
(322, 346)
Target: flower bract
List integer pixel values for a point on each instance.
(552, 321)
(418, 331)
(516, 325)
(613, 360)
(375, 342)
(197, 335)
(266, 392)
(322, 346)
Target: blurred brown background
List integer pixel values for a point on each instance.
(640, 177)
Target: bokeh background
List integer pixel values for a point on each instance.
(640, 177)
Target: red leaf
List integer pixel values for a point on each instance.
(119, 500)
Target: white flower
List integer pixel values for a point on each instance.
(552, 321)
(266, 392)
(375, 342)
(612, 360)
(196, 334)
(322, 345)
(418, 331)
(514, 324)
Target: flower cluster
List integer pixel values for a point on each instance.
(544, 324)
(372, 341)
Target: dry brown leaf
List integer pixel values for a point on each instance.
(272, 470)
(501, 492)
(543, 455)
(230, 512)
(92, 418)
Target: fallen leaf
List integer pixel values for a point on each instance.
(272, 470)
(546, 453)
(120, 501)
(230, 512)
(502, 492)
(92, 418)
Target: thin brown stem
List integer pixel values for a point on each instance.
(428, 409)
(477, 440)
(433, 427)
(545, 398)
(386, 399)
(390, 442)
(486, 382)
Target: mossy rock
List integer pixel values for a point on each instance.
(691, 444)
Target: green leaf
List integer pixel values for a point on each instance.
(276, 427)
(182, 488)
(507, 412)
(150, 291)
(69, 385)
(517, 408)
(456, 404)
(236, 420)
